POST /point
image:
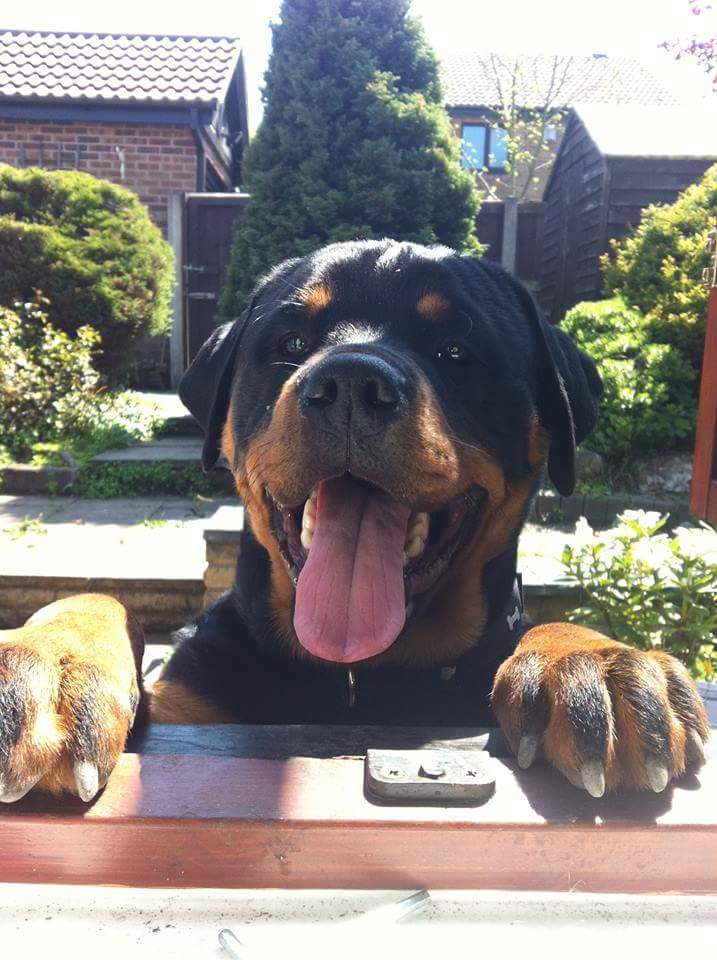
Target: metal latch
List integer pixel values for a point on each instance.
(430, 776)
(201, 296)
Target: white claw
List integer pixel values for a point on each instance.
(87, 779)
(593, 776)
(657, 774)
(10, 796)
(695, 748)
(527, 750)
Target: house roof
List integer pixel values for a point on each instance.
(116, 67)
(631, 130)
(472, 80)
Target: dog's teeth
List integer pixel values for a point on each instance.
(414, 547)
(310, 507)
(419, 526)
(306, 538)
(309, 522)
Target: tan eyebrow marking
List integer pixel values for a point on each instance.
(316, 298)
(432, 305)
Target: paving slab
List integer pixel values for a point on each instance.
(163, 449)
(162, 403)
(143, 538)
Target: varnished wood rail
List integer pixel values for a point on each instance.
(285, 807)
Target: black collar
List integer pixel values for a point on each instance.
(499, 638)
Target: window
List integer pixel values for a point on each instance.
(483, 146)
(473, 138)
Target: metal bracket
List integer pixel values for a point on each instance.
(430, 776)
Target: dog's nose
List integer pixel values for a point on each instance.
(360, 387)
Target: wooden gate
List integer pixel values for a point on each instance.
(209, 220)
(703, 503)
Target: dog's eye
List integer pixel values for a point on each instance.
(294, 345)
(455, 352)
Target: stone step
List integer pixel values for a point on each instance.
(162, 449)
(183, 426)
(179, 451)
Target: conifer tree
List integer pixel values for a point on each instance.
(354, 142)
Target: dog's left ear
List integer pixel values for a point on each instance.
(568, 392)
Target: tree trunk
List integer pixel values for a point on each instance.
(508, 254)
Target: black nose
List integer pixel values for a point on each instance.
(363, 388)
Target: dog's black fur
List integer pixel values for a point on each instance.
(516, 366)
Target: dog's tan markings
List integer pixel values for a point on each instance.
(427, 465)
(316, 298)
(629, 691)
(432, 305)
(227, 445)
(173, 702)
(454, 612)
(77, 664)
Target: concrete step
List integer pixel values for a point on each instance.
(148, 552)
(179, 451)
(167, 449)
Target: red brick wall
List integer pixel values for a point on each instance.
(158, 159)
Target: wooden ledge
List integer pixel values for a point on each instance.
(196, 809)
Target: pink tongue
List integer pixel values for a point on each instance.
(350, 598)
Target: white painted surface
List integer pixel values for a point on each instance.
(52, 921)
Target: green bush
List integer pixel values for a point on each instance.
(46, 378)
(649, 589)
(355, 141)
(648, 402)
(51, 395)
(92, 250)
(658, 268)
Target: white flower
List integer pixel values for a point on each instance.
(645, 519)
(584, 534)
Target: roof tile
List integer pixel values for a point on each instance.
(116, 66)
(472, 80)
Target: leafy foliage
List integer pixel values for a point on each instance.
(355, 142)
(526, 103)
(46, 378)
(51, 393)
(648, 402)
(92, 250)
(658, 268)
(649, 589)
(105, 480)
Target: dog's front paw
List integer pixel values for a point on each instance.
(66, 708)
(606, 715)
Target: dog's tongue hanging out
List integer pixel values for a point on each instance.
(350, 597)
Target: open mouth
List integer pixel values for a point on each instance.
(358, 557)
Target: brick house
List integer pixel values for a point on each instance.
(160, 115)
(475, 84)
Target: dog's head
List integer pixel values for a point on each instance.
(386, 410)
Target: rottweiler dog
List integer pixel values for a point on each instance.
(387, 411)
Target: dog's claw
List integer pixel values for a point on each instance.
(87, 779)
(10, 796)
(694, 748)
(657, 773)
(593, 777)
(527, 750)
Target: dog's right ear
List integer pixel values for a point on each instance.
(205, 388)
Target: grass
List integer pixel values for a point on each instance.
(28, 525)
